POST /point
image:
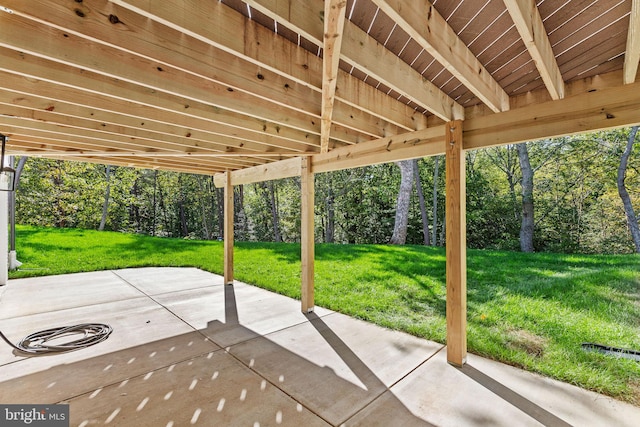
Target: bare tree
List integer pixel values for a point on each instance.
(269, 191)
(423, 207)
(202, 184)
(632, 220)
(329, 236)
(107, 194)
(402, 206)
(527, 225)
(434, 237)
(506, 159)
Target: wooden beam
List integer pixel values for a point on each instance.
(228, 230)
(411, 145)
(363, 52)
(430, 30)
(594, 109)
(276, 170)
(334, 16)
(456, 247)
(529, 24)
(592, 106)
(307, 241)
(632, 55)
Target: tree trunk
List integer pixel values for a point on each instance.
(526, 227)
(155, 190)
(182, 211)
(107, 193)
(220, 211)
(270, 196)
(423, 206)
(241, 228)
(203, 206)
(274, 213)
(434, 239)
(632, 220)
(168, 229)
(402, 206)
(330, 229)
(505, 159)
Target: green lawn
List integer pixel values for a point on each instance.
(528, 310)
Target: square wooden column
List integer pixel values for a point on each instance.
(307, 241)
(228, 229)
(456, 247)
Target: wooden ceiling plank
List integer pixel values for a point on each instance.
(194, 169)
(334, 17)
(43, 143)
(188, 137)
(632, 55)
(306, 19)
(220, 26)
(77, 140)
(132, 32)
(26, 36)
(59, 149)
(144, 102)
(426, 26)
(144, 136)
(529, 23)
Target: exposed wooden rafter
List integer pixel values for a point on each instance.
(334, 17)
(632, 55)
(427, 27)
(207, 87)
(364, 53)
(219, 26)
(527, 19)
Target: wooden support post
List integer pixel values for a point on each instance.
(307, 240)
(456, 249)
(228, 229)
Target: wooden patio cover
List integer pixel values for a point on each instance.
(263, 89)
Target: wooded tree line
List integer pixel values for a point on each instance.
(572, 194)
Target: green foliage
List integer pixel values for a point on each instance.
(577, 207)
(528, 310)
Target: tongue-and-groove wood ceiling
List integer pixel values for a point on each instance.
(207, 86)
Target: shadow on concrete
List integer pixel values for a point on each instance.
(188, 379)
(528, 407)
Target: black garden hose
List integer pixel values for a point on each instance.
(612, 351)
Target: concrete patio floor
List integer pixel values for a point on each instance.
(187, 350)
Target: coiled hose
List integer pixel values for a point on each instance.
(40, 342)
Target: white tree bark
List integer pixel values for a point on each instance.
(402, 206)
(632, 220)
(527, 225)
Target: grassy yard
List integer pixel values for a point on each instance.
(527, 310)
